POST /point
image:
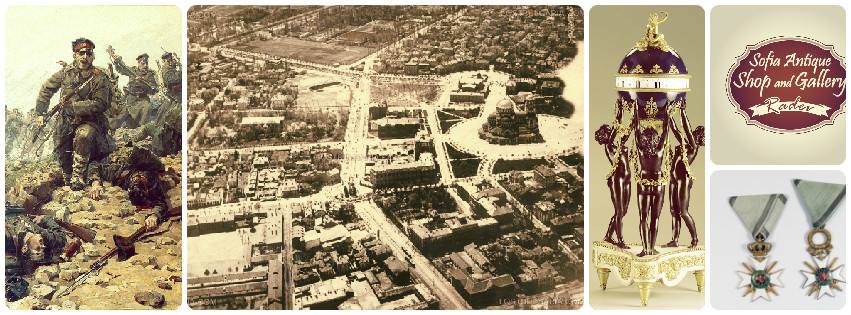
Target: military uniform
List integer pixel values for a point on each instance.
(18, 227)
(165, 131)
(81, 128)
(129, 161)
(14, 128)
(119, 166)
(138, 92)
(172, 79)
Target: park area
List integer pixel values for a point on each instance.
(322, 53)
(405, 94)
(322, 91)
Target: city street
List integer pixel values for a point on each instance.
(363, 75)
(403, 249)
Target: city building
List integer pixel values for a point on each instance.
(472, 274)
(471, 89)
(453, 229)
(488, 201)
(406, 163)
(507, 126)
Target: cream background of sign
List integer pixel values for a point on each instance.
(732, 140)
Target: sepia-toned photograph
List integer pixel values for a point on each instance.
(385, 157)
(93, 158)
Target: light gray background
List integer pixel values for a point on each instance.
(729, 239)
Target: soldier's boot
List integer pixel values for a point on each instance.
(66, 162)
(78, 172)
(67, 178)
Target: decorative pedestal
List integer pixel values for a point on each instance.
(671, 266)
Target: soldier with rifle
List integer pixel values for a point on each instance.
(80, 131)
(140, 88)
(172, 77)
(166, 129)
(31, 239)
(150, 186)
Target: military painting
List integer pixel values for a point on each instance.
(93, 157)
(385, 157)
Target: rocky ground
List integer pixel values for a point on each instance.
(149, 280)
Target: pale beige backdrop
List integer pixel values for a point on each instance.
(732, 140)
(613, 32)
(39, 36)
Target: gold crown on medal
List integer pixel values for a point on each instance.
(759, 249)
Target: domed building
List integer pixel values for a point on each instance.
(507, 126)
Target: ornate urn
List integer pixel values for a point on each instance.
(651, 83)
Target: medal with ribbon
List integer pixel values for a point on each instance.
(759, 214)
(823, 275)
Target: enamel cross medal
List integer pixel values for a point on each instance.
(759, 213)
(824, 275)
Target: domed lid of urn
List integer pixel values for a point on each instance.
(652, 55)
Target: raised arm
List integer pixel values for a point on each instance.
(120, 66)
(605, 136)
(687, 126)
(633, 122)
(677, 131)
(691, 139)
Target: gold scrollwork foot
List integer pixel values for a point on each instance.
(603, 275)
(644, 291)
(699, 277)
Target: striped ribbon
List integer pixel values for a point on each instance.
(820, 200)
(759, 213)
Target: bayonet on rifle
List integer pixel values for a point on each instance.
(97, 265)
(123, 248)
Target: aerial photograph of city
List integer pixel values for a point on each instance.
(385, 157)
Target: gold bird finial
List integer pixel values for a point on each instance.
(652, 37)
